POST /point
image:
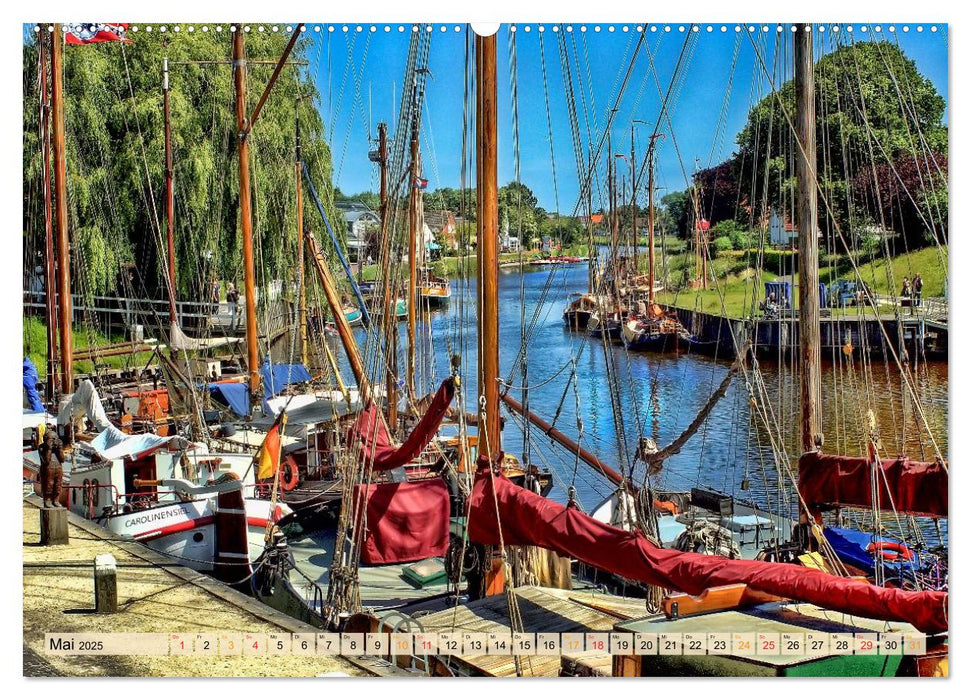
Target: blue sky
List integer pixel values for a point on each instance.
(707, 109)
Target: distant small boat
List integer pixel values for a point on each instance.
(433, 290)
(353, 315)
(655, 332)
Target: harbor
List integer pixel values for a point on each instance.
(374, 424)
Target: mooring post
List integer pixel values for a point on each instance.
(105, 584)
(53, 526)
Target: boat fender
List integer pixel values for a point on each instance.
(289, 474)
(667, 506)
(891, 550)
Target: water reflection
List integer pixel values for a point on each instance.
(658, 396)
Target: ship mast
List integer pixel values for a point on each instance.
(390, 299)
(49, 270)
(169, 189)
(60, 199)
(650, 218)
(809, 354)
(487, 232)
(246, 210)
(414, 202)
(301, 264)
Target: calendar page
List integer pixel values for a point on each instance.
(524, 349)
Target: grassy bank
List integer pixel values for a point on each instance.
(735, 279)
(35, 347)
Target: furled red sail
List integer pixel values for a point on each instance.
(406, 521)
(918, 488)
(529, 519)
(377, 449)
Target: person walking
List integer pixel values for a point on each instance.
(232, 297)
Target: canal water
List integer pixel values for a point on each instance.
(608, 397)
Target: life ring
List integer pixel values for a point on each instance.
(289, 483)
(892, 551)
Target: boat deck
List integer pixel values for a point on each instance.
(542, 610)
(381, 587)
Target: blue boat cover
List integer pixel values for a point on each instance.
(277, 377)
(30, 386)
(233, 394)
(853, 547)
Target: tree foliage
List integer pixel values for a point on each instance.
(116, 159)
(872, 107)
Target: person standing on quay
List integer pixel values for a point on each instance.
(918, 289)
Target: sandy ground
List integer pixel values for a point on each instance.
(59, 598)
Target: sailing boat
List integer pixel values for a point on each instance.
(648, 327)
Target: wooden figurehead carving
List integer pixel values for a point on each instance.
(51, 473)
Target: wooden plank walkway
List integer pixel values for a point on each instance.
(542, 610)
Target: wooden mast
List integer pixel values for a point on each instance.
(49, 269)
(650, 218)
(340, 320)
(60, 199)
(809, 353)
(245, 210)
(169, 189)
(633, 199)
(301, 264)
(612, 186)
(591, 282)
(414, 203)
(487, 232)
(390, 299)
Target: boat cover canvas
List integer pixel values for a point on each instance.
(918, 488)
(378, 450)
(111, 443)
(277, 377)
(503, 513)
(233, 394)
(83, 402)
(405, 522)
(30, 386)
(178, 340)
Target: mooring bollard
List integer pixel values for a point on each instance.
(105, 584)
(53, 526)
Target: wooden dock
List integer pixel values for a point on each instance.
(542, 610)
(155, 594)
(912, 336)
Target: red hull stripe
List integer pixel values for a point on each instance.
(192, 525)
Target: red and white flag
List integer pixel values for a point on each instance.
(96, 33)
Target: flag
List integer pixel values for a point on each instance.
(421, 183)
(269, 456)
(95, 33)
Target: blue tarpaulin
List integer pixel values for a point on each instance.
(276, 379)
(856, 548)
(233, 394)
(30, 386)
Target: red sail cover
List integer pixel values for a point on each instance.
(406, 521)
(529, 519)
(379, 452)
(918, 488)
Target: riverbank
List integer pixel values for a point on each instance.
(152, 597)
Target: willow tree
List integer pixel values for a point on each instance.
(115, 161)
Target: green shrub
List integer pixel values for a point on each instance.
(721, 245)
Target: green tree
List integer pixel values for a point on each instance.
(872, 106)
(115, 159)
